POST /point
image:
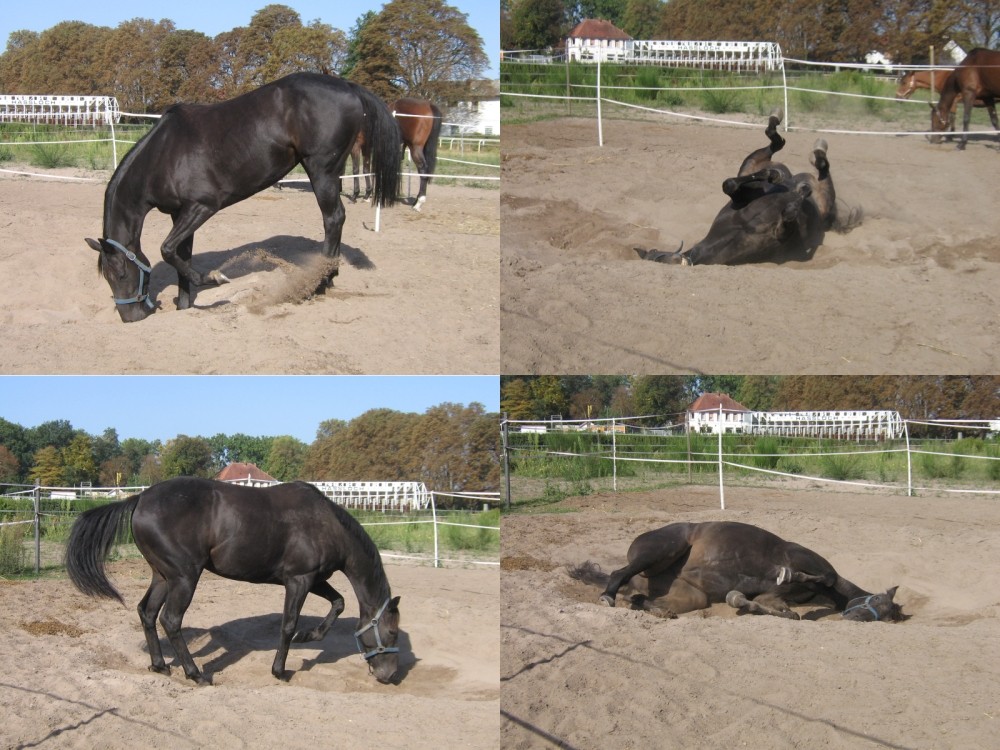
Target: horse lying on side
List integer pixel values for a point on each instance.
(771, 213)
(689, 566)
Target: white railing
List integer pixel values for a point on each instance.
(58, 109)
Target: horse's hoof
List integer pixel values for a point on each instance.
(217, 277)
(606, 599)
(820, 145)
(776, 116)
(159, 670)
(736, 599)
(784, 575)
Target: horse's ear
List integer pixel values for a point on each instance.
(94, 244)
(394, 604)
(891, 592)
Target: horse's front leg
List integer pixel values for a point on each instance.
(295, 595)
(178, 247)
(328, 592)
(328, 196)
(761, 605)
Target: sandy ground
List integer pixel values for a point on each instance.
(578, 675)
(913, 290)
(419, 297)
(75, 669)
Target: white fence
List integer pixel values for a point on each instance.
(718, 55)
(607, 448)
(601, 93)
(59, 110)
(379, 496)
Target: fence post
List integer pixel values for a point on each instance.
(600, 124)
(437, 561)
(909, 460)
(722, 489)
(38, 535)
(614, 457)
(506, 459)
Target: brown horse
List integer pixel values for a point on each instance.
(420, 127)
(976, 77)
(361, 156)
(689, 566)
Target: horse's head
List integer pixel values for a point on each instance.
(939, 121)
(874, 607)
(905, 86)
(377, 641)
(128, 274)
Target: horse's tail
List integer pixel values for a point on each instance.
(383, 138)
(90, 541)
(431, 147)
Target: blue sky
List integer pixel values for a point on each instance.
(162, 407)
(222, 15)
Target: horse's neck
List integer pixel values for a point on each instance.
(371, 587)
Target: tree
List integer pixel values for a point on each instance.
(78, 461)
(373, 62)
(187, 456)
(47, 469)
(437, 51)
(641, 18)
(132, 65)
(116, 472)
(286, 458)
(661, 394)
(317, 48)
(9, 465)
(538, 24)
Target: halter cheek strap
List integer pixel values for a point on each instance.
(373, 626)
(143, 270)
(866, 604)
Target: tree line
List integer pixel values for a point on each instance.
(825, 30)
(596, 396)
(450, 447)
(420, 48)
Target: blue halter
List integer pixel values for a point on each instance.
(143, 270)
(866, 604)
(373, 626)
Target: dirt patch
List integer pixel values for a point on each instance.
(911, 290)
(78, 674)
(418, 297)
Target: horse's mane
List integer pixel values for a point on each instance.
(357, 532)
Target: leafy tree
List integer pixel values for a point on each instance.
(353, 56)
(116, 472)
(641, 18)
(187, 456)
(9, 465)
(47, 469)
(538, 24)
(661, 394)
(436, 49)
(374, 63)
(58, 433)
(515, 398)
(286, 458)
(78, 461)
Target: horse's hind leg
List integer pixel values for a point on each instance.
(759, 159)
(180, 591)
(325, 180)
(417, 154)
(652, 553)
(761, 605)
(149, 609)
(328, 592)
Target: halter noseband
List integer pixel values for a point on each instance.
(373, 625)
(866, 604)
(143, 270)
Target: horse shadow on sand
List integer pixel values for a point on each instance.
(293, 256)
(231, 642)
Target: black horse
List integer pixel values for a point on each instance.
(690, 566)
(771, 214)
(289, 534)
(198, 159)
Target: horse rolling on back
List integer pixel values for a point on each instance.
(690, 566)
(199, 159)
(771, 215)
(977, 78)
(420, 128)
(288, 534)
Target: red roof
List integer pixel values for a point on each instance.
(712, 401)
(591, 28)
(234, 472)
